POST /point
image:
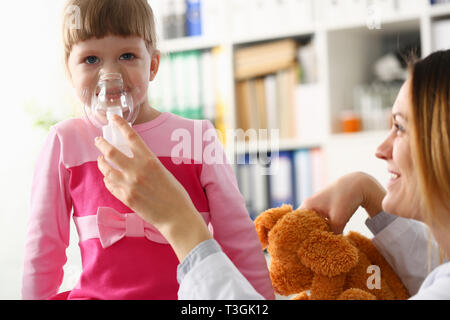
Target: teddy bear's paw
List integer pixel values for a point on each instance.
(356, 294)
(301, 296)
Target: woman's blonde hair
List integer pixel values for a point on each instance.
(430, 145)
(87, 19)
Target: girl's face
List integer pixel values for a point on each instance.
(402, 196)
(113, 54)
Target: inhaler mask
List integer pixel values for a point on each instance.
(107, 99)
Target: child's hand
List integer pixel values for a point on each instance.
(146, 186)
(339, 201)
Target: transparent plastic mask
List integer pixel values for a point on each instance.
(108, 98)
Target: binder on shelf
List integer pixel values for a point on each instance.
(303, 176)
(207, 90)
(193, 18)
(260, 188)
(180, 80)
(290, 178)
(193, 85)
(244, 178)
(253, 184)
(281, 180)
(185, 85)
(174, 18)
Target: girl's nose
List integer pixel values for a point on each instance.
(384, 151)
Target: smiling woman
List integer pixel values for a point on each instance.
(396, 151)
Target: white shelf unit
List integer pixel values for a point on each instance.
(346, 48)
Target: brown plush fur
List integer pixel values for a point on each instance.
(309, 260)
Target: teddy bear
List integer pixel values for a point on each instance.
(309, 260)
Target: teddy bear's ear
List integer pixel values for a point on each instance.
(328, 254)
(267, 220)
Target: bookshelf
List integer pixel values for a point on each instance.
(188, 44)
(348, 40)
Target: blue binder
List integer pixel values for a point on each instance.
(193, 18)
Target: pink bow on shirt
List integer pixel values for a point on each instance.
(114, 226)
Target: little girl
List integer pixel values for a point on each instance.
(122, 256)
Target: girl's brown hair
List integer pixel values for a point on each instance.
(430, 92)
(99, 18)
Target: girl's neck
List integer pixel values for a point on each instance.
(146, 114)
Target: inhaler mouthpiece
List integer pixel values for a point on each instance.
(110, 98)
(113, 135)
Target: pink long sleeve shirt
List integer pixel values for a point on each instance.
(67, 181)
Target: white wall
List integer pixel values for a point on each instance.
(30, 70)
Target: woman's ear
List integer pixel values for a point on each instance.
(267, 220)
(154, 64)
(328, 254)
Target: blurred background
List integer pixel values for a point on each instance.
(322, 73)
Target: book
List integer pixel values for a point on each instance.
(268, 103)
(286, 81)
(244, 105)
(270, 90)
(260, 102)
(264, 59)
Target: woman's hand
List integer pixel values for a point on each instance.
(339, 201)
(146, 186)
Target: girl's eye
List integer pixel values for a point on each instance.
(91, 60)
(127, 56)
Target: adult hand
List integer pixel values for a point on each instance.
(146, 186)
(339, 201)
